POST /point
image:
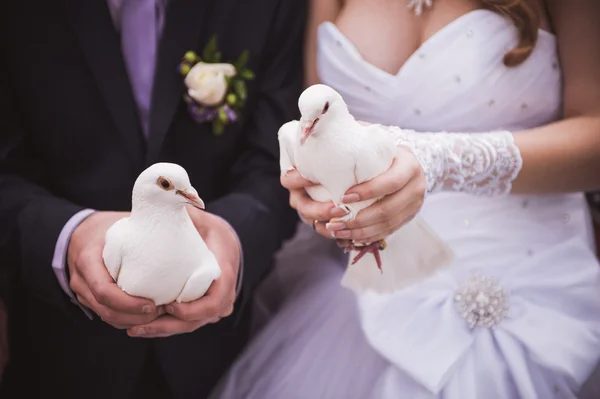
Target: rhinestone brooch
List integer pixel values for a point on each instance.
(481, 301)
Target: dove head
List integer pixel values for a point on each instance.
(319, 105)
(164, 186)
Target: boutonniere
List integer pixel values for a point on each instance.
(216, 91)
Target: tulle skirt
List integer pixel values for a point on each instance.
(312, 345)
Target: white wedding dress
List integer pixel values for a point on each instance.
(322, 341)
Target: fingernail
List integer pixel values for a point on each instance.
(335, 226)
(170, 309)
(139, 331)
(348, 198)
(343, 234)
(147, 309)
(337, 212)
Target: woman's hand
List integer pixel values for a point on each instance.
(402, 188)
(309, 210)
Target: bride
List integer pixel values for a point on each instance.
(506, 129)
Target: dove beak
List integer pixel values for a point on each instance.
(307, 127)
(191, 198)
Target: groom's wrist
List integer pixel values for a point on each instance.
(59, 260)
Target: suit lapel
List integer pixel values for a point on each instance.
(101, 47)
(183, 23)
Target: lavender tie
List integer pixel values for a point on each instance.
(139, 38)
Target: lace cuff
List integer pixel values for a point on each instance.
(483, 164)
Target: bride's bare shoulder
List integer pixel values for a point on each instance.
(319, 12)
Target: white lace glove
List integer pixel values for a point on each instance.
(483, 164)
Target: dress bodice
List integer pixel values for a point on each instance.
(455, 81)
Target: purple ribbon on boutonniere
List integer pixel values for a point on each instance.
(216, 92)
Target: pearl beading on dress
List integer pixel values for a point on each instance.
(481, 301)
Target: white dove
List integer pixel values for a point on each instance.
(156, 252)
(330, 148)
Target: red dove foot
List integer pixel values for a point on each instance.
(373, 248)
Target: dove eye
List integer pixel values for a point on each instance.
(325, 108)
(165, 183)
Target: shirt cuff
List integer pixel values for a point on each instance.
(238, 284)
(59, 260)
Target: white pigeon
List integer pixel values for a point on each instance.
(331, 149)
(156, 252)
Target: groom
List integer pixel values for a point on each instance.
(90, 95)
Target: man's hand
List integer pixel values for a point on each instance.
(219, 299)
(92, 283)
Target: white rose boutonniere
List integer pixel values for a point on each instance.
(206, 82)
(216, 91)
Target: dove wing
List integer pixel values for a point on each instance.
(376, 154)
(113, 248)
(288, 142)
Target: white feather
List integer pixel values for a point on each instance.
(112, 252)
(287, 135)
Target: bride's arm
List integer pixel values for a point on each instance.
(563, 156)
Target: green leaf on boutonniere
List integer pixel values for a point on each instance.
(210, 50)
(217, 57)
(231, 99)
(190, 57)
(240, 88)
(218, 126)
(185, 69)
(247, 74)
(242, 60)
(222, 115)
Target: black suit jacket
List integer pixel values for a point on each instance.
(71, 139)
